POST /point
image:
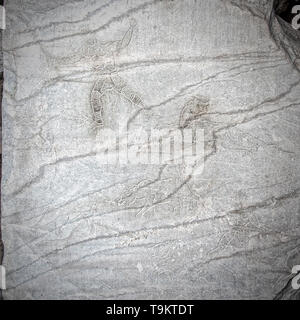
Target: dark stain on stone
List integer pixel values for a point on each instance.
(192, 110)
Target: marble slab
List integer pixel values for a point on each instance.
(74, 228)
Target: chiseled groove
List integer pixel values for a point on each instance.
(261, 205)
(205, 80)
(269, 100)
(41, 172)
(87, 195)
(79, 198)
(245, 252)
(148, 63)
(192, 86)
(292, 195)
(264, 102)
(238, 253)
(84, 19)
(46, 84)
(245, 7)
(246, 120)
(252, 55)
(88, 255)
(44, 10)
(83, 196)
(89, 32)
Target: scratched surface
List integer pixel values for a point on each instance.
(74, 229)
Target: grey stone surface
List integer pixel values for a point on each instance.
(1, 90)
(74, 229)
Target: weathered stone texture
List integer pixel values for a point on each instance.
(75, 229)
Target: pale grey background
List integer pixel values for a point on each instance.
(73, 229)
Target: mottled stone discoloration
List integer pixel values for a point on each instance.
(75, 229)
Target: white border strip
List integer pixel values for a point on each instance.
(2, 18)
(2, 278)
